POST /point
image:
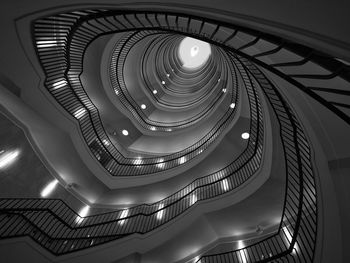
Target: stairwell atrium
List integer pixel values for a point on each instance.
(202, 131)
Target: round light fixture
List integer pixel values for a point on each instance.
(245, 135)
(125, 132)
(193, 53)
(143, 106)
(232, 105)
(163, 82)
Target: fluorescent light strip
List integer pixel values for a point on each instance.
(49, 188)
(8, 158)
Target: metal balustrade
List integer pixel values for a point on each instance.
(74, 99)
(295, 239)
(121, 90)
(313, 72)
(61, 230)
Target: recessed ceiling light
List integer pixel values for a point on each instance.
(223, 90)
(155, 91)
(232, 105)
(143, 106)
(8, 158)
(168, 75)
(49, 188)
(153, 128)
(163, 82)
(245, 135)
(125, 132)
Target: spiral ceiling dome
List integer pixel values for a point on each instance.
(170, 115)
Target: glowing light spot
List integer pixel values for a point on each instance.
(46, 43)
(82, 214)
(8, 158)
(163, 82)
(182, 160)
(224, 90)
(123, 215)
(49, 188)
(245, 135)
(232, 105)
(153, 128)
(143, 106)
(59, 84)
(161, 163)
(155, 91)
(193, 53)
(138, 161)
(161, 212)
(125, 132)
(105, 142)
(193, 199)
(79, 113)
(241, 251)
(225, 185)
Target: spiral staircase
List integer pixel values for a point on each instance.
(119, 146)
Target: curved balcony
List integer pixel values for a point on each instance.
(258, 63)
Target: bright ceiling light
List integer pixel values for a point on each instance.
(232, 105)
(46, 43)
(168, 75)
(49, 188)
(163, 82)
(153, 128)
(8, 158)
(155, 91)
(193, 53)
(143, 106)
(245, 135)
(82, 213)
(224, 90)
(125, 132)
